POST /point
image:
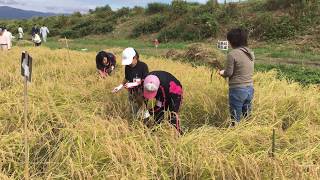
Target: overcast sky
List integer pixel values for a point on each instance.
(69, 6)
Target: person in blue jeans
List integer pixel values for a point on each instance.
(239, 70)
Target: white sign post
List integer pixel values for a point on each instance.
(26, 71)
(223, 45)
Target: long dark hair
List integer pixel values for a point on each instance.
(137, 54)
(100, 56)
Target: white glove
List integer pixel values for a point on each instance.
(112, 68)
(118, 88)
(146, 114)
(159, 103)
(138, 80)
(221, 72)
(131, 85)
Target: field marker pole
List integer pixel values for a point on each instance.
(273, 143)
(67, 47)
(26, 133)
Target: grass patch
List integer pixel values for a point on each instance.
(299, 74)
(286, 51)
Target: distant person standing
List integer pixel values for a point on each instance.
(34, 30)
(239, 70)
(44, 31)
(3, 41)
(8, 37)
(20, 31)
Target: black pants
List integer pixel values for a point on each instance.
(172, 116)
(171, 111)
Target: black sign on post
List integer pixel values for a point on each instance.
(26, 65)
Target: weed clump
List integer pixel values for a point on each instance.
(198, 54)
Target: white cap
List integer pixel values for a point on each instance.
(127, 56)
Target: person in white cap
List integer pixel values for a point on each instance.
(135, 73)
(168, 92)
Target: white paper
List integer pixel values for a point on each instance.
(132, 85)
(26, 67)
(146, 114)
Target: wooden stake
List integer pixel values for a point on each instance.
(67, 45)
(273, 143)
(26, 133)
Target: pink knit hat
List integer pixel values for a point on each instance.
(150, 86)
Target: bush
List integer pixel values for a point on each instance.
(84, 27)
(191, 28)
(207, 25)
(81, 29)
(281, 4)
(232, 10)
(170, 33)
(102, 28)
(154, 8)
(122, 12)
(179, 8)
(155, 24)
(69, 34)
(266, 27)
(138, 10)
(282, 29)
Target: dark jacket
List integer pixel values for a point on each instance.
(170, 91)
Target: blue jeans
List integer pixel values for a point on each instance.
(240, 102)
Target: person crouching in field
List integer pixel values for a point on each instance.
(105, 63)
(135, 73)
(167, 90)
(239, 70)
(36, 40)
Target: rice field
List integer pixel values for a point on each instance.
(78, 129)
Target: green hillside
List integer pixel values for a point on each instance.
(282, 32)
(182, 21)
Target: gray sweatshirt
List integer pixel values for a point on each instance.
(240, 67)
